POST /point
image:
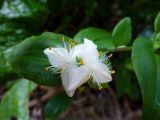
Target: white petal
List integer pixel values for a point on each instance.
(101, 73)
(77, 51)
(90, 54)
(87, 41)
(78, 77)
(58, 57)
(65, 76)
(73, 77)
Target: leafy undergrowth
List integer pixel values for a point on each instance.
(87, 104)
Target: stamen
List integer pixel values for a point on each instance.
(81, 61)
(50, 48)
(90, 77)
(46, 68)
(110, 55)
(73, 44)
(55, 70)
(100, 53)
(66, 44)
(103, 58)
(99, 85)
(63, 39)
(61, 70)
(81, 89)
(113, 72)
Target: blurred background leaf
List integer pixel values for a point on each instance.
(14, 104)
(123, 77)
(158, 80)
(6, 71)
(56, 106)
(21, 18)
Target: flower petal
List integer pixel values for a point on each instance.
(65, 76)
(58, 57)
(91, 53)
(101, 73)
(73, 77)
(77, 51)
(78, 76)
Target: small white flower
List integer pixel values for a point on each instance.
(78, 64)
(93, 66)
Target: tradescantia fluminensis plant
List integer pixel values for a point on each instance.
(54, 59)
(79, 63)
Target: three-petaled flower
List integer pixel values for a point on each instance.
(78, 64)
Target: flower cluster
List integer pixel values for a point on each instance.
(79, 63)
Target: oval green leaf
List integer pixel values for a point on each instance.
(100, 37)
(29, 61)
(144, 64)
(122, 32)
(157, 23)
(143, 60)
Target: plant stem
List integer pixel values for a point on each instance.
(121, 49)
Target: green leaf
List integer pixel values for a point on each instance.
(14, 104)
(20, 19)
(157, 23)
(122, 32)
(125, 85)
(133, 91)
(22, 8)
(122, 80)
(56, 106)
(156, 41)
(6, 72)
(100, 37)
(29, 61)
(11, 34)
(144, 64)
(158, 80)
(128, 64)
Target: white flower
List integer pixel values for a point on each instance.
(78, 64)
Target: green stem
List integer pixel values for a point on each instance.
(121, 49)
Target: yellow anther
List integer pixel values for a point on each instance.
(100, 53)
(63, 39)
(81, 62)
(50, 48)
(110, 55)
(73, 44)
(89, 77)
(46, 68)
(99, 86)
(113, 72)
(81, 89)
(61, 70)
